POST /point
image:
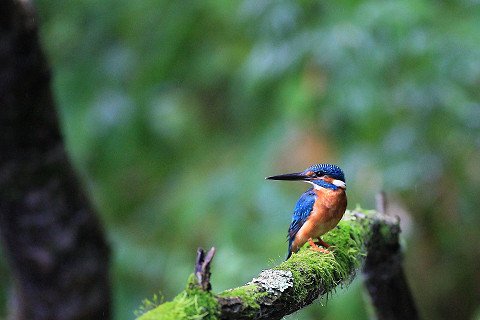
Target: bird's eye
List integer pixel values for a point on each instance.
(316, 174)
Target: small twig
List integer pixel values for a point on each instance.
(202, 268)
(381, 202)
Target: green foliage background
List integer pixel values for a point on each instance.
(174, 111)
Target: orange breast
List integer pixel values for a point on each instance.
(328, 209)
(327, 212)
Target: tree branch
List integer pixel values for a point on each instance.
(294, 283)
(384, 277)
(202, 268)
(53, 242)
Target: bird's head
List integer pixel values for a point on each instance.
(324, 173)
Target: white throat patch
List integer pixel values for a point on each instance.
(338, 183)
(315, 186)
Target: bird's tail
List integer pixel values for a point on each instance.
(289, 253)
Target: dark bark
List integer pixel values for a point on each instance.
(274, 301)
(202, 268)
(53, 242)
(384, 276)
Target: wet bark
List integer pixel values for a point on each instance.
(52, 240)
(383, 270)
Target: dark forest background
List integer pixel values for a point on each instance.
(175, 111)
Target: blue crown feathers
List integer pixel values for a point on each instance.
(327, 169)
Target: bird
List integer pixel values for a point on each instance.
(319, 209)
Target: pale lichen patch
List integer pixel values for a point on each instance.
(274, 280)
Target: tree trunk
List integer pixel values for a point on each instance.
(53, 242)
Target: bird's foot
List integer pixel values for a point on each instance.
(314, 246)
(322, 243)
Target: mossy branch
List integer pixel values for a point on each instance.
(291, 285)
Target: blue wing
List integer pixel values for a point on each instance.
(302, 210)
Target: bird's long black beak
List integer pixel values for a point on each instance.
(290, 177)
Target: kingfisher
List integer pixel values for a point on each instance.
(319, 209)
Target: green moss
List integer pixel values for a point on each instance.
(168, 311)
(148, 305)
(249, 294)
(204, 305)
(333, 268)
(191, 304)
